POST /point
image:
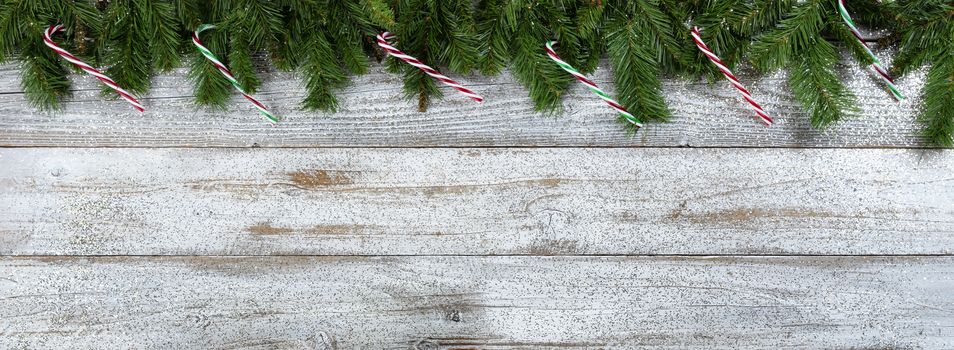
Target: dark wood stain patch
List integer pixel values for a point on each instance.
(313, 179)
(265, 228)
(746, 214)
(337, 229)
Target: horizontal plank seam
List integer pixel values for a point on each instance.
(95, 256)
(926, 147)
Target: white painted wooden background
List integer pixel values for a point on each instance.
(472, 226)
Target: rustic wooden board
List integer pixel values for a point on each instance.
(476, 302)
(475, 201)
(374, 113)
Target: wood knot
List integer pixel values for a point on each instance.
(323, 341)
(425, 344)
(453, 315)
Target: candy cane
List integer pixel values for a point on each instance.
(48, 40)
(877, 67)
(591, 85)
(228, 74)
(391, 50)
(728, 75)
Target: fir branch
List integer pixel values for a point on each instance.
(871, 12)
(589, 19)
(322, 74)
(817, 87)
(657, 22)
(438, 33)
(324, 56)
(371, 14)
(716, 20)
(926, 29)
(165, 41)
(794, 35)
(517, 29)
(635, 72)
(461, 47)
(42, 77)
(846, 39)
(937, 112)
(495, 28)
(641, 43)
(128, 49)
(760, 15)
(798, 43)
(210, 87)
(240, 62)
(187, 12)
(259, 21)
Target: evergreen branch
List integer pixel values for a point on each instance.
(848, 40)
(760, 15)
(671, 53)
(211, 88)
(817, 87)
(187, 13)
(438, 33)
(544, 80)
(378, 13)
(165, 40)
(718, 21)
(634, 71)
(322, 74)
(42, 77)
(259, 22)
(925, 31)
(937, 112)
(128, 50)
(589, 20)
(240, 62)
(493, 34)
(794, 35)
(460, 52)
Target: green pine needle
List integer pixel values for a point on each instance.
(43, 76)
(439, 33)
(323, 75)
(240, 62)
(926, 30)
(937, 112)
(817, 87)
(210, 87)
(635, 72)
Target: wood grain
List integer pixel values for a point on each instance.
(374, 113)
(475, 201)
(476, 302)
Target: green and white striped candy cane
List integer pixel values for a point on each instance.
(876, 66)
(228, 74)
(590, 84)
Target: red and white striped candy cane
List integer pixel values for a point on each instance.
(391, 50)
(728, 75)
(89, 69)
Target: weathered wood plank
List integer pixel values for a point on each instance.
(476, 302)
(374, 113)
(475, 201)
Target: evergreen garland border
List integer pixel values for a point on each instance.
(328, 41)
